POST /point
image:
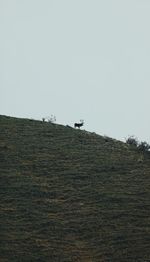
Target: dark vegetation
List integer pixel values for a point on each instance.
(141, 146)
(68, 195)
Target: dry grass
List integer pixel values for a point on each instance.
(69, 195)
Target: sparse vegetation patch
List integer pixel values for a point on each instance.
(135, 143)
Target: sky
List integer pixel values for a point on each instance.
(77, 59)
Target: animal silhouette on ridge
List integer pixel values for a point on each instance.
(79, 124)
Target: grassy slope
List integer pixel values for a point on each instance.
(69, 195)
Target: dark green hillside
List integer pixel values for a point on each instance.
(68, 195)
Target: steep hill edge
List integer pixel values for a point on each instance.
(71, 195)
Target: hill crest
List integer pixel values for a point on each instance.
(71, 195)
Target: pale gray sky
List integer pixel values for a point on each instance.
(77, 59)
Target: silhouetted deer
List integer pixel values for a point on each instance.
(79, 124)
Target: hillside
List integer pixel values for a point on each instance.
(68, 195)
